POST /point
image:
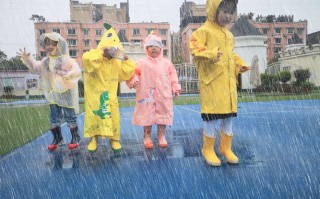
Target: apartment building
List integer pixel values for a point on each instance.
(89, 12)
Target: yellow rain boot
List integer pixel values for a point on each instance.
(93, 144)
(115, 145)
(225, 148)
(208, 151)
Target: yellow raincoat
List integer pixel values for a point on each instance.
(217, 79)
(101, 77)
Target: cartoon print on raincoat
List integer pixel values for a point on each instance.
(217, 79)
(60, 73)
(158, 80)
(101, 78)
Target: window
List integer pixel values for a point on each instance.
(71, 31)
(43, 54)
(149, 30)
(265, 31)
(286, 68)
(86, 42)
(98, 32)
(72, 42)
(165, 52)
(97, 42)
(277, 49)
(277, 30)
(57, 30)
(163, 31)
(32, 83)
(290, 30)
(277, 40)
(136, 31)
(73, 53)
(41, 31)
(85, 31)
(300, 30)
(290, 41)
(164, 42)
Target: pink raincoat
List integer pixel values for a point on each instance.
(158, 80)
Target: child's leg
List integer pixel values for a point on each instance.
(161, 135)
(211, 127)
(55, 121)
(147, 141)
(226, 136)
(71, 119)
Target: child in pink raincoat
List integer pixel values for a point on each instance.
(156, 82)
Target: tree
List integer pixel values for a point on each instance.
(301, 75)
(284, 76)
(3, 56)
(12, 64)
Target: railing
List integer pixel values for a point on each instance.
(188, 78)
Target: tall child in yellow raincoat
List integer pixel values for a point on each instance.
(104, 67)
(218, 67)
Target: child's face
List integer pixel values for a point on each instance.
(50, 46)
(153, 51)
(224, 14)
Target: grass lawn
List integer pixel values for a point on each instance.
(20, 125)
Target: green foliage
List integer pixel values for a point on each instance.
(268, 81)
(284, 76)
(301, 75)
(12, 64)
(8, 90)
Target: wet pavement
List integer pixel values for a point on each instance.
(278, 145)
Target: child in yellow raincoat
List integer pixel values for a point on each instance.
(218, 67)
(104, 67)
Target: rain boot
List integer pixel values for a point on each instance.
(93, 144)
(75, 138)
(115, 145)
(225, 148)
(162, 138)
(147, 142)
(57, 138)
(208, 151)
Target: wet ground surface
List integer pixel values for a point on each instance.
(278, 144)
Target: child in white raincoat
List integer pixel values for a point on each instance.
(218, 67)
(60, 75)
(104, 67)
(156, 81)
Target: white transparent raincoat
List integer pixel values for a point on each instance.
(60, 73)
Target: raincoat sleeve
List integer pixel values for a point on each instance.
(33, 65)
(135, 77)
(175, 86)
(198, 46)
(239, 63)
(74, 74)
(92, 60)
(126, 70)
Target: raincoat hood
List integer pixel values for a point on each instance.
(153, 40)
(110, 39)
(211, 9)
(62, 46)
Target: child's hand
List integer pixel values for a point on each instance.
(135, 84)
(61, 73)
(176, 94)
(219, 55)
(125, 57)
(23, 54)
(244, 68)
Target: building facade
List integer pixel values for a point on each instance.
(89, 12)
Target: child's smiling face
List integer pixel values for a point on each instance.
(224, 14)
(50, 46)
(153, 51)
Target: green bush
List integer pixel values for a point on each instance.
(284, 76)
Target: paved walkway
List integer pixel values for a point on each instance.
(278, 145)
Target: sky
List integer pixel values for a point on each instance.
(17, 31)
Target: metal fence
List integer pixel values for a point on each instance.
(188, 78)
